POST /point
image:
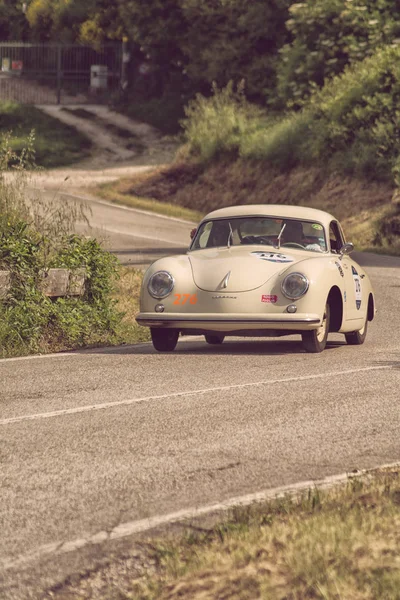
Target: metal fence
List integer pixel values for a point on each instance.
(59, 73)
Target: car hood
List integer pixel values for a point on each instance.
(238, 270)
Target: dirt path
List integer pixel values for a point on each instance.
(121, 147)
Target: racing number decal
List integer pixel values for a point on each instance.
(181, 299)
(357, 287)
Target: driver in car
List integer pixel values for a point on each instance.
(293, 232)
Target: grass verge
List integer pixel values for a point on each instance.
(56, 144)
(121, 192)
(126, 295)
(324, 545)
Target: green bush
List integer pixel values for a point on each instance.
(29, 320)
(217, 125)
(34, 236)
(327, 35)
(352, 125)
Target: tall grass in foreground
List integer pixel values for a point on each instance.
(342, 544)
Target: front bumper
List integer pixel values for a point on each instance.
(230, 321)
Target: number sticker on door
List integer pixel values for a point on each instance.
(357, 287)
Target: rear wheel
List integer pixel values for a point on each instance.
(214, 338)
(356, 338)
(315, 340)
(164, 340)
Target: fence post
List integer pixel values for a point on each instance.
(59, 74)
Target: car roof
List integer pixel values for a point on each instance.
(272, 210)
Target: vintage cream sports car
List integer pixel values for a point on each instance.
(261, 270)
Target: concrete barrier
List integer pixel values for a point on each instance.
(55, 283)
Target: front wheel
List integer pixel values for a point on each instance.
(164, 340)
(214, 338)
(356, 338)
(315, 340)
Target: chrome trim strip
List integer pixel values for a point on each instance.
(238, 320)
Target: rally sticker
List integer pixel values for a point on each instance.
(269, 299)
(339, 266)
(317, 226)
(357, 287)
(273, 257)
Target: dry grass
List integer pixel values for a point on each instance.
(342, 544)
(127, 294)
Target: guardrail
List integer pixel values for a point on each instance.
(55, 283)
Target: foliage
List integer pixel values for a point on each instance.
(218, 124)
(243, 44)
(173, 38)
(56, 19)
(327, 35)
(162, 112)
(35, 236)
(13, 25)
(356, 116)
(352, 124)
(29, 320)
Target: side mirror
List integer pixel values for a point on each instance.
(346, 249)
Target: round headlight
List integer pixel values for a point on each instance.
(295, 285)
(160, 284)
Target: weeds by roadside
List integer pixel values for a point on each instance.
(326, 545)
(123, 192)
(36, 235)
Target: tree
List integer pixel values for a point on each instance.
(234, 40)
(13, 24)
(329, 34)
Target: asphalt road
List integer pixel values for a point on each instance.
(91, 442)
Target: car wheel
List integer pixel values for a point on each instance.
(214, 338)
(164, 340)
(356, 338)
(315, 340)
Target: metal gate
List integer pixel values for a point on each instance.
(59, 73)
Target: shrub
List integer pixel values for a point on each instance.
(217, 124)
(34, 236)
(327, 35)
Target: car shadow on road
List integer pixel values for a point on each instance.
(229, 348)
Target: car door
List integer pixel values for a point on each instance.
(353, 304)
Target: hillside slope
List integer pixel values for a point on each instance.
(360, 204)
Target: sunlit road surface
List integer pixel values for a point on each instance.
(137, 238)
(91, 442)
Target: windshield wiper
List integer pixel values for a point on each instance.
(280, 235)
(230, 236)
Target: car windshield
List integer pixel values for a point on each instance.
(270, 231)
